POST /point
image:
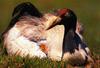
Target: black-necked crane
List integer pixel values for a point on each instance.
(34, 34)
(75, 50)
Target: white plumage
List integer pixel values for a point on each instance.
(17, 44)
(20, 39)
(55, 37)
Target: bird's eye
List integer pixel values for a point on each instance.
(67, 14)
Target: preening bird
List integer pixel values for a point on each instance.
(56, 36)
(75, 51)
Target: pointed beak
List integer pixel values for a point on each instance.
(50, 20)
(53, 19)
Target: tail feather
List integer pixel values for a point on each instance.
(22, 9)
(26, 8)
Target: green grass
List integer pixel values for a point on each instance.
(88, 12)
(19, 62)
(7, 61)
